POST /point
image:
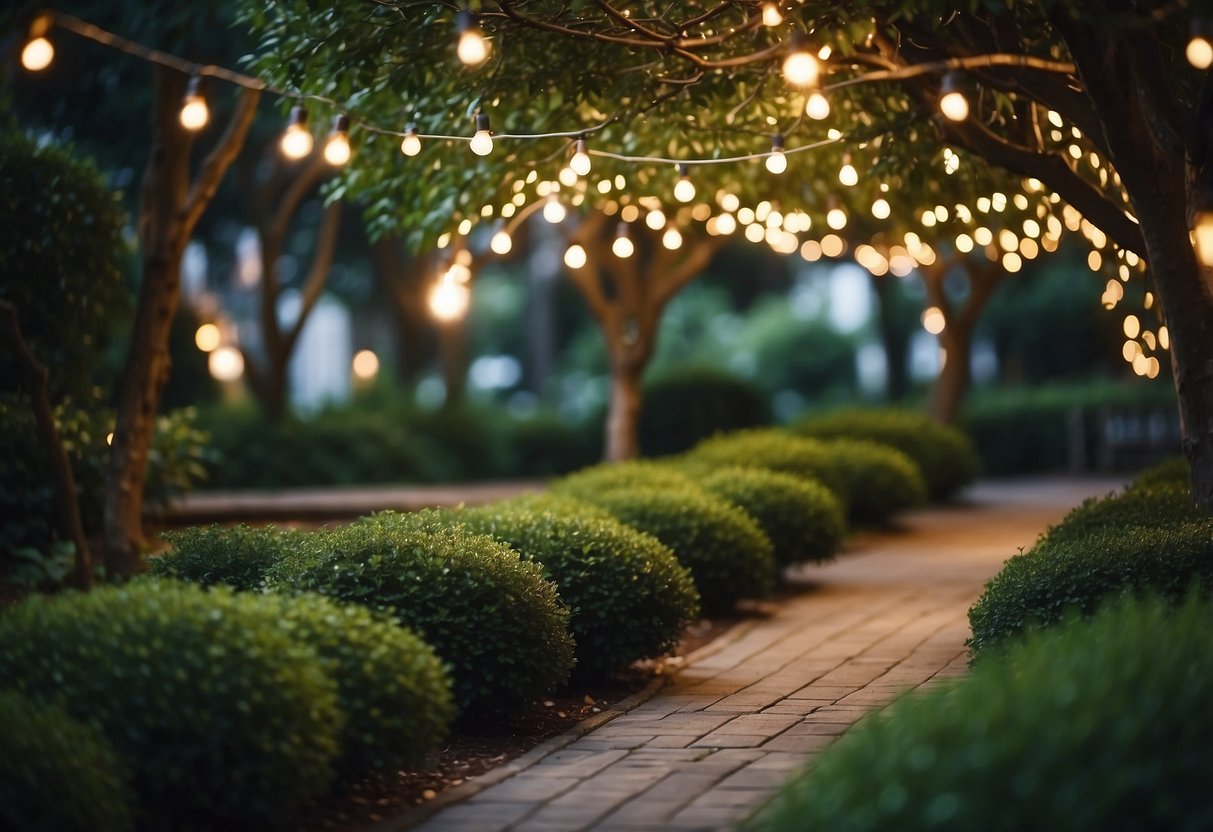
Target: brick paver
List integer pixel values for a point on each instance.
(888, 616)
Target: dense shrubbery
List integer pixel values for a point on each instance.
(1102, 724)
(688, 404)
(634, 473)
(57, 773)
(944, 455)
(776, 450)
(802, 518)
(237, 556)
(1167, 506)
(222, 718)
(727, 553)
(551, 501)
(491, 616)
(629, 596)
(1174, 472)
(879, 479)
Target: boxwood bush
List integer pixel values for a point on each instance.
(690, 403)
(634, 473)
(556, 503)
(1039, 587)
(237, 556)
(776, 450)
(728, 554)
(1101, 724)
(490, 615)
(802, 518)
(944, 454)
(223, 720)
(630, 598)
(1172, 471)
(1149, 507)
(57, 773)
(880, 479)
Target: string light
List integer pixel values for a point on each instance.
(580, 163)
(501, 243)
(226, 364)
(365, 365)
(952, 101)
(1202, 233)
(1200, 46)
(553, 210)
(410, 145)
(771, 15)
(337, 148)
(473, 49)
(38, 51)
(671, 239)
(655, 219)
(881, 209)
(847, 174)
(194, 112)
(482, 141)
(623, 246)
(575, 257)
(208, 338)
(449, 299)
(296, 141)
(836, 218)
(800, 67)
(818, 106)
(777, 162)
(684, 188)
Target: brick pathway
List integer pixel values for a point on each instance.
(726, 732)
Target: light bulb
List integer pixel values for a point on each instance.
(655, 219)
(684, 188)
(225, 364)
(194, 112)
(881, 209)
(671, 239)
(1199, 52)
(952, 101)
(1203, 234)
(777, 162)
(296, 140)
(771, 15)
(449, 299)
(208, 338)
(575, 257)
(37, 54)
(553, 210)
(836, 219)
(473, 49)
(580, 163)
(501, 242)
(847, 174)
(800, 67)
(818, 106)
(726, 224)
(623, 246)
(365, 365)
(410, 145)
(482, 142)
(337, 148)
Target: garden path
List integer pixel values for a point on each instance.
(719, 739)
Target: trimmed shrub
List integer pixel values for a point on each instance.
(1163, 506)
(223, 720)
(775, 450)
(944, 455)
(727, 553)
(57, 773)
(1059, 576)
(633, 473)
(880, 479)
(491, 616)
(394, 690)
(630, 598)
(803, 518)
(237, 556)
(1173, 471)
(551, 501)
(683, 406)
(1102, 724)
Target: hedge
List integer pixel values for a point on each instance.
(775, 450)
(1172, 471)
(238, 556)
(684, 405)
(880, 480)
(634, 473)
(1149, 507)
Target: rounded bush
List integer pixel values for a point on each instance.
(490, 615)
(775, 450)
(880, 479)
(686, 405)
(1039, 587)
(556, 503)
(1174, 471)
(728, 554)
(1148, 507)
(223, 719)
(630, 598)
(236, 556)
(394, 690)
(802, 518)
(1101, 724)
(634, 473)
(57, 773)
(944, 454)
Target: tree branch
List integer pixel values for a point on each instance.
(322, 263)
(220, 159)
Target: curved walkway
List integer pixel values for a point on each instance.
(717, 741)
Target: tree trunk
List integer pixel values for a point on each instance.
(623, 417)
(953, 381)
(406, 297)
(452, 344)
(897, 378)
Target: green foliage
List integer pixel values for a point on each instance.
(685, 405)
(1163, 506)
(944, 455)
(727, 553)
(545, 445)
(223, 719)
(1173, 471)
(57, 773)
(237, 556)
(802, 518)
(632, 473)
(554, 503)
(792, 352)
(630, 598)
(1101, 724)
(61, 246)
(492, 617)
(1078, 573)
(776, 450)
(880, 479)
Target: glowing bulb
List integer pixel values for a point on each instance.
(726, 224)
(1200, 52)
(207, 338)
(933, 320)
(501, 242)
(482, 142)
(575, 257)
(38, 51)
(553, 210)
(410, 145)
(771, 15)
(836, 219)
(800, 67)
(1203, 233)
(194, 112)
(473, 49)
(777, 162)
(296, 140)
(671, 239)
(580, 163)
(881, 209)
(847, 174)
(684, 188)
(225, 364)
(337, 148)
(449, 299)
(952, 101)
(365, 365)
(623, 246)
(818, 106)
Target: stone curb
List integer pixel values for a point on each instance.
(416, 815)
